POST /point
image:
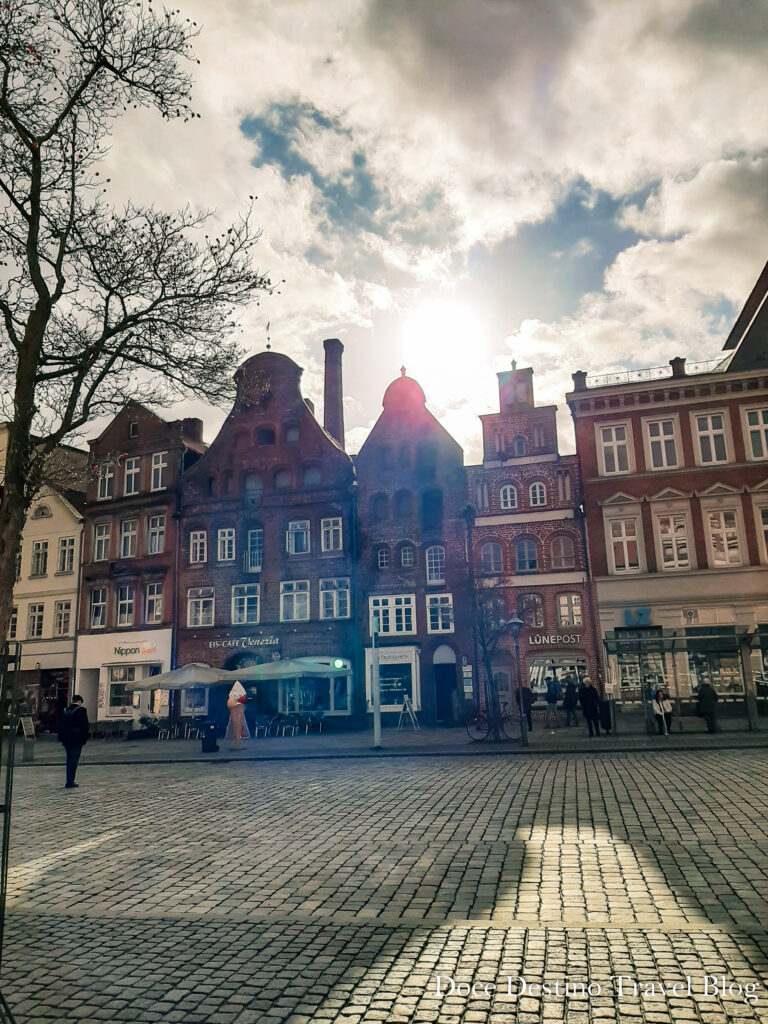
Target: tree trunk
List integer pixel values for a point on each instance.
(12, 514)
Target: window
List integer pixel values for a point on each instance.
(106, 480)
(563, 485)
(526, 556)
(297, 537)
(131, 477)
(661, 444)
(225, 545)
(569, 609)
(508, 496)
(245, 604)
(379, 508)
(42, 512)
(709, 429)
(253, 489)
(62, 618)
(537, 494)
(128, 538)
(403, 505)
(312, 476)
(390, 615)
(490, 557)
(265, 436)
(330, 532)
(254, 554)
(436, 564)
(18, 564)
(432, 510)
(624, 545)
(200, 606)
(292, 434)
(725, 548)
(538, 436)
(282, 479)
(439, 613)
(481, 494)
(159, 468)
(757, 433)
(518, 447)
(334, 599)
(35, 621)
(120, 691)
(761, 522)
(563, 556)
(125, 601)
(156, 534)
(153, 610)
(614, 448)
(133, 429)
(39, 558)
(98, 608)
(13, 623)
(673, 541)
(531, 610)
(294, 601)
(198, 546)
(382, 558)
(101, 542)
(493, 612)
(406, 556)
(66, 562)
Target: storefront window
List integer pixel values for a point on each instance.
(721, 670)
(120, 692)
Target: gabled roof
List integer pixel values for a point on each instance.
(748, 339)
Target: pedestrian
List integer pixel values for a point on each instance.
(658, 710)
(605, 716)
(667, 705)
(570, 701)
(237, 728)
(73, 735)
(553, 696)
(707, 706)
(525, 701)
(589, 699)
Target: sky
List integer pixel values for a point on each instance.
(450, 185)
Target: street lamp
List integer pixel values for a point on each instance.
(514, 625)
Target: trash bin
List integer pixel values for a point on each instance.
(210, 746)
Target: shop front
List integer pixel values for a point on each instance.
(109, 664)
(399, 676)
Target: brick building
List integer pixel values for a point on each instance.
(412, 556)
(128, 576)
(675, 476)
(267, 558)
(528, 550)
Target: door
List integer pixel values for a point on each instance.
(445, 687)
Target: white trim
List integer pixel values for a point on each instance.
(410, 602)
(441, 600)
(257, 595)
(283, 593)
(726, 503)
(632, 511)
(646, 422)
(405, 655)
(743, 410)
(760, 503)
(727, 436)
(524, 517)
(678, 507)
(601, 425)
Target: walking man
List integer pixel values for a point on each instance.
(590, 704)
(707, 705)
(73, 735)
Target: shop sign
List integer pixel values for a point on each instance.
(553, 639)
(246, 641)
(126, 652)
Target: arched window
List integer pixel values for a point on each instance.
(265, 435)
(562, 553)
(563, 485)
(531, 610)
(382, 558)
(436, 564)
(403, 505)
(252, 487)
(537, 494)
(379, 508)
(432, 510)
(508, 496)
(490, 557)
(312, 476)
(282, 479)
(41, 512)
(526, 555)
(481, 494)
(518, 447)
(406, 556)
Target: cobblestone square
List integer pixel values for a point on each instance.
(395, 889)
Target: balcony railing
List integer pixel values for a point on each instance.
(655, 373)
(252, 561)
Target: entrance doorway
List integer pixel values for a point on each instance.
(444, 665)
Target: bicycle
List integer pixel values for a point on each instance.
(479, 726)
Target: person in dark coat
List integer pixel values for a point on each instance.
(553, 696)
(605, 716)
(570, 701)
(589, 699)
(707, 706)
(73, 735)
(525, 701)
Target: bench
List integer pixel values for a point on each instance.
(689, 722)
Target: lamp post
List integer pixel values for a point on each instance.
(514, 625)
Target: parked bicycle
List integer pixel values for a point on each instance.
(479, 726)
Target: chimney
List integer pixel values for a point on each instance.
(678, 366)
(333, 416)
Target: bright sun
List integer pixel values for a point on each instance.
(443, 348)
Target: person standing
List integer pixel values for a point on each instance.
(525, 701)
(667, 705)
(589, 699)
(570, 701)
(707, 706)
(73, 735)
(553, 696)
(237, 728)
(658, 711)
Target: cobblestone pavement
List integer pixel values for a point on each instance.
(345, 891)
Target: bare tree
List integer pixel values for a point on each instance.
(97, 305)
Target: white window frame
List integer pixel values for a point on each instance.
(673, 509)
(492, 571)
(62, 618)
(66, 557)
(245, 598)
(537, 494)
(382, 558)
(39, 565)
(395, 613)
(298, 528)
(158, 480)
(290, 590)
(649, 441)
(696, 436)
(762, 430)
(570, 602)
(331, 534)
(156, 534)
(36, 617)
(532, 545)
(407, 556)
(434, 559)
(508, 497)
(760, 509)
(201, 606)
(106, 481)
(254, 553)
(225, 544)
(102, 536)
(131, 473)
(611, 515)
(601, 447)
(439, 613)
(129, 535)
(125, 604)
(93, 605)
(553, 558)
(153, 602)
(723, 504)
(13, 622)
(335, 598)
(198, 547)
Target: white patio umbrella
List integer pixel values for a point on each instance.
(194, 674)
(197, 674)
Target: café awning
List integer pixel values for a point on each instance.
(196, 674)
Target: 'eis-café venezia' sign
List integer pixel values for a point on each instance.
(246, 641)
